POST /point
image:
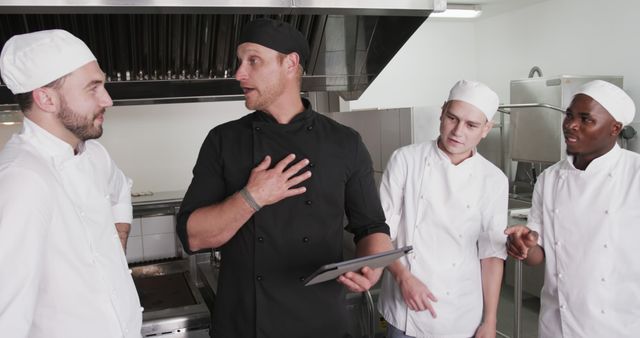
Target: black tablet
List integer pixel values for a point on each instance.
(334, 270)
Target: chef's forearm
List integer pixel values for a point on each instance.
(492, 270)
(399, 271)
(373, 244)
(123, 230)
(214, 225)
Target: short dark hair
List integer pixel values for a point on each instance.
(25, 100)
(300, 72)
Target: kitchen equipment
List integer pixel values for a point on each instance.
(184, 50)
(173, 306)
(176, 297)
(536, 132)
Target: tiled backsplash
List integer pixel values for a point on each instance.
(151, 238)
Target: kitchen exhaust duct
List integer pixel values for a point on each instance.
(161, 51)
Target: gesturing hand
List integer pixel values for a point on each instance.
(520, 239)
(268, 186)
(417, 295)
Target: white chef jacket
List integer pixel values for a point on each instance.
(589, 225)
(454, 216)
(64, 273)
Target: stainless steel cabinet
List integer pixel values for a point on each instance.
(536, 133)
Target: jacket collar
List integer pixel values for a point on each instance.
(46, 143)
(305, 115)
(440, 156)
(604, 162)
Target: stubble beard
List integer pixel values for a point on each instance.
(79, 125)
(268, 94)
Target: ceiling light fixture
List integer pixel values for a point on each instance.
(459, 12)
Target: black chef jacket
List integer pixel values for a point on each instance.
(260, 291)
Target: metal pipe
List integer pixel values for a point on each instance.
(370, 315)
(503, 161)
(501, 108)
(500, 334)
(517, 300)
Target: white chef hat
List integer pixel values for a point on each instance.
(476, 94)
(32, 60)
(612, 98)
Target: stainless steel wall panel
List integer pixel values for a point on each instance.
(536, 133)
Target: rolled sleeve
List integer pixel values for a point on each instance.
(535, 218)
(392, 191)
(121, 197)
(492, 240)
(362, 202)
(118, 185)
(122, 213)
(207, 185)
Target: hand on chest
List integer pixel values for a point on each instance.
(328, 161)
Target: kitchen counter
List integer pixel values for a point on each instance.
(144, 198)
(517, 204)
(156, 203)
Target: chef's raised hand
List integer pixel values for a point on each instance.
(268, 186)
(520, 239)
(360, 281)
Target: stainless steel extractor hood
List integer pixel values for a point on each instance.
(156, 51)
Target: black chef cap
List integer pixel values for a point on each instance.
(277, 35)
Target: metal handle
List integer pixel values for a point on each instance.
(535, 70)
(501, 108)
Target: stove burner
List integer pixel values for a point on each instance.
(164, 292)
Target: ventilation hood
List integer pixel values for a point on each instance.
(161, 51)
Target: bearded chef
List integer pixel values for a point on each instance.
(585, 221)
(65, 207)
(450, 203)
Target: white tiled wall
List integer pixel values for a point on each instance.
(135, 228)
(151, 238)
(134, 249)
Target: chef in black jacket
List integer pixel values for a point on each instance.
(271, 189)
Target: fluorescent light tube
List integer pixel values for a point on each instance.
(459, 12)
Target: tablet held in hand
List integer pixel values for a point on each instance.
(334, 270)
